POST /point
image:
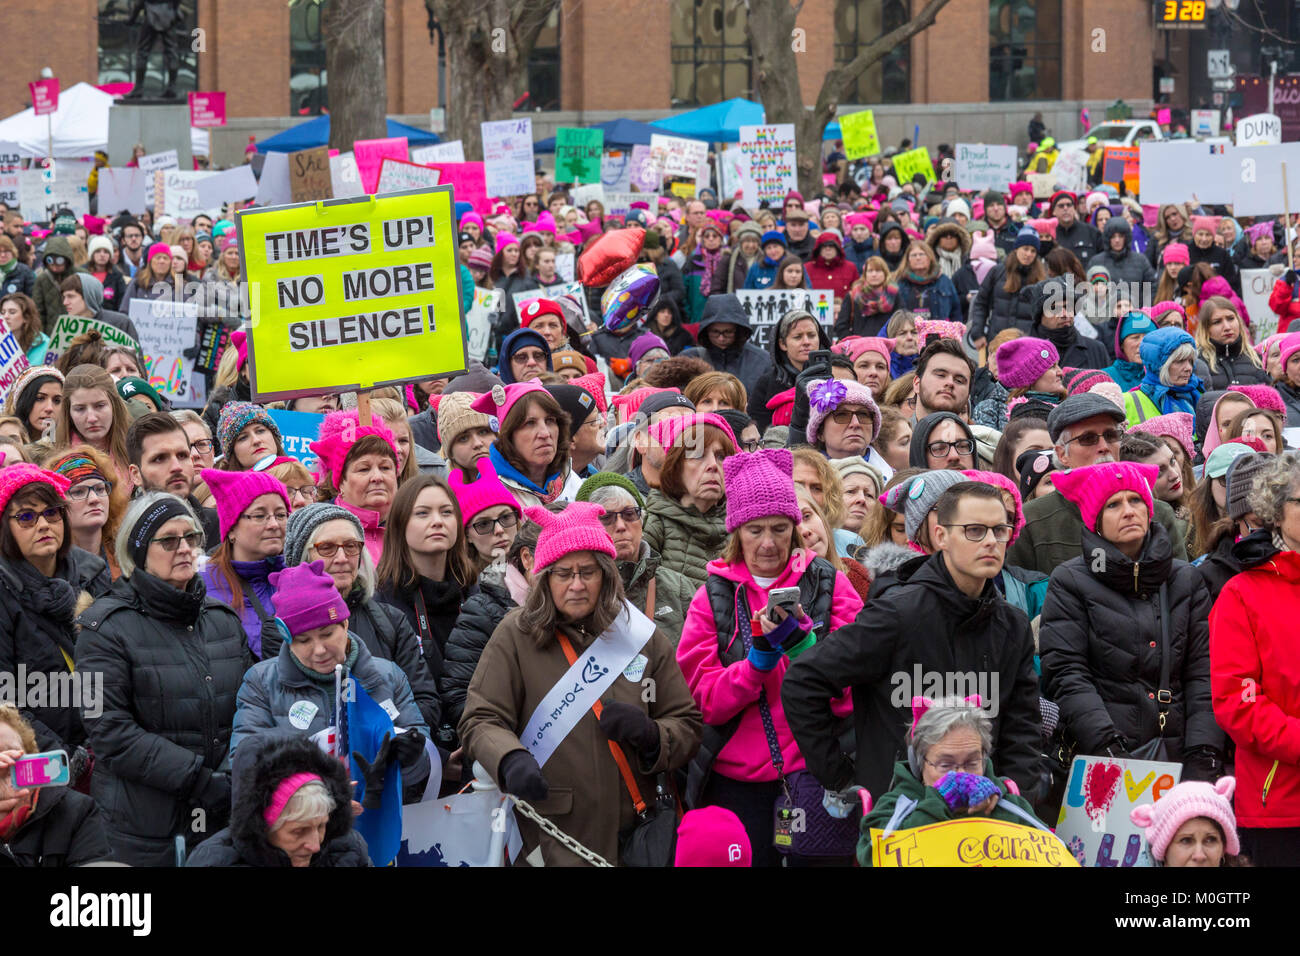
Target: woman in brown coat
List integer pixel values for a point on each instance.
(565, 767)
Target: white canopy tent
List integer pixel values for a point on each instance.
(80, 126)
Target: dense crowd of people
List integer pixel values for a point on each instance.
(1039, 449)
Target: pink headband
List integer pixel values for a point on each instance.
(284, 793)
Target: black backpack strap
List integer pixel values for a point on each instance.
(723, 597)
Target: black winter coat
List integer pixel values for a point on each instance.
(442, 601)
(172, 662)
(1231, 556)
(1080, 238)
(995, 309)
(1220, 259)
(36, 635)
(20, 279)
(479, 617)
(1233, 368)
(1100, 641)
(1291, 398)
(985, 640)
(1075, 350)
(260, 765)
(65, 829)
(779, 378)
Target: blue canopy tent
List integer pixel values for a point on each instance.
(316, 132)
(619, 133)
(721, 122)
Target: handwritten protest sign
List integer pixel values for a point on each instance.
(398, 174)
(764, 308)
(678, 156)
(167, 329)
(39, 198)
(451, 152)
(577, 154)
(508, 157)
(1094, 820)
(207, 109)
(357, 294)
(478, 321)
(1262, 129)
(370, 155)
(908, 164)
(178, 196)
(297, 431)
(978, 166)
(1070, 170)
(969, 842)
(552, 292)
(859, 133)
(68, 327)
(13, 362)
(11, 164)
(770, 155)
(168, 159)
(309, 174)
(616, 170)
(1256, 287)
(619, 204)
(645, 174)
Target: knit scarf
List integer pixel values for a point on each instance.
(52, 597)
(915, 279)
(1172, 398)
(6, 269)
(327, 680)
(1062, 338)
(710, 261)
(949, 261)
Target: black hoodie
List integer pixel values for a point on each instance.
(892, 259)
(779, 378)
(677, 338)
(743, 359)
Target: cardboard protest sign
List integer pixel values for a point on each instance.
(1094, 821)
(398, 175)
(859, 133)
(478, 321)
(68, 327)
(764, 308)
(11, 164)
(451, 152)
(352, 295)
(616, 170)
(1257, 179)
(978, 166)
(1262, 129)
(13, 362)
(230, 185)
(969, 842)
(370, 155)
(45, 96)
(207, 109)
(167, 330)
(678, 156)
(297, 431)
(309, 175)
(769, 171)
(468, 179)
(40, 197)
(577, 154)
(645, 174)
(508, 157)
(908, 164)
(1122, 164)
(124, 187)
(168, 159)
(1256, 287)
(1177, 170)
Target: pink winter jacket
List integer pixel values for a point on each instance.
(374, 532)
(722, 692)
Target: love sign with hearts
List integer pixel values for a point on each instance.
(1094, 820)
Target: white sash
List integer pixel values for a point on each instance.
(582, 684)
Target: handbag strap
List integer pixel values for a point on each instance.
(746, 625)
(623, 768)
(1164, 697)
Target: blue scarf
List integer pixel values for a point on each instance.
(900, 364)
(1170, 398)
(506, 470)
(1127, 374)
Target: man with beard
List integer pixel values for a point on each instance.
(160, 460)
(944, 373)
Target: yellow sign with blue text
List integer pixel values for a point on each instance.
(969, 842)
(352, 293)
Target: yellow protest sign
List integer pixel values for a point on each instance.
(858, 130)
(970, 841)
(907, 165)
(683, 190)
(352, 293)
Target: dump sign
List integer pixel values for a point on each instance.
(352, 293)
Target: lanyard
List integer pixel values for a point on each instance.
(422, 618)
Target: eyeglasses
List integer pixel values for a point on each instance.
(204, 446)
(947, 766)
(752, 445)
(939, 449)
(978, 532)
(629, 515)
(1088, 439)
(564, 575)
(56, 261)
(26, 519)
(305, 491)
(327, 549)
(170, 543)
(842, 416)
(488, 525)
(262, 517)
(100, 489)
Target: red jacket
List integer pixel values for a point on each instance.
(837, 275)
(1255, 683)
(1283, 302)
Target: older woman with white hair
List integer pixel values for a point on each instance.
(948, 774)
(1169, 383)
(171, 660)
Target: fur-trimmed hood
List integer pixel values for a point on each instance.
(885, 558)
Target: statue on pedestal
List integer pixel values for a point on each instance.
(161, 20)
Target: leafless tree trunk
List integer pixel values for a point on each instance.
(488, 43)
(353, 31)
(771, 25)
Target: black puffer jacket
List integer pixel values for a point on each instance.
(1100, 641)
(479, 617)
(1080, 238)
(1233, 555)
(984, 639)
(995, 309)
(1232, 368)
(172, 662)
(37, 631)
(779, 378)
(260, 766)
(65, 829)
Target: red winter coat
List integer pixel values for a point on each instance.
(1255, 684)
(837, 275)
(1283, 302)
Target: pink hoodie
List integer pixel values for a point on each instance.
(722, 692)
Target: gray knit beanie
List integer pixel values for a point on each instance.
(917, 496)
(303, 524)
(1241, 472)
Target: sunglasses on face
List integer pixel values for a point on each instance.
(327, 549)
(170, 543)
(842, 416)
(1090, 439)
(629, 515)
(26, 519)
(484, 526)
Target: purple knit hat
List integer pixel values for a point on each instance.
(1187, 801)
(576, 528)
(1022, 361)
(235, 491)
(1091, 486)
(643, 343)
(485, 491)
(760, 485)
(826, 395)
(306, 598)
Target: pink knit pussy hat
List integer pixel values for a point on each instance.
(1092, 486)
(760, 485)
(576, 528)
(485, 491)
(1187, 801)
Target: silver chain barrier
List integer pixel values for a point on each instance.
(568, 842)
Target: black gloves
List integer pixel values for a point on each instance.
(1117, 748)
(818, 366)
(79, 764)
(407, 747)
(520, 776)
(373, 772)
(1290, 276)
(213, 792)
(629, 724)
(1203, 763)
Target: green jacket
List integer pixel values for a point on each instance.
(930, 806)
(49, 300)
(685, 539)
(1053, 534)
(673, 592)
